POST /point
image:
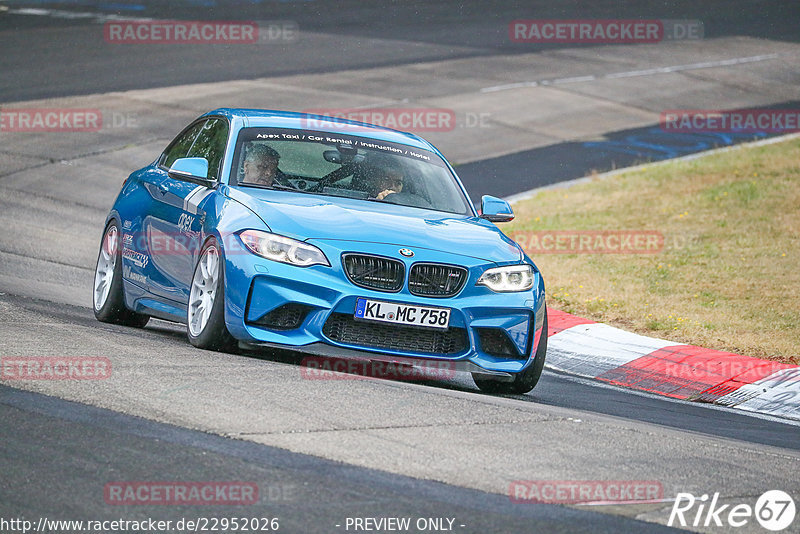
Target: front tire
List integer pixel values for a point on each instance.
(108, 297)
(206, 311)
(524, 381)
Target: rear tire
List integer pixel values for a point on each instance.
(524, 381)
(205, 314)
(108, 297)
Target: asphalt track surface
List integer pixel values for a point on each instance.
(323, 452)
(349, 34)
(305, 493)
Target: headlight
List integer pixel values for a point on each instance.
(508, 278)
(283, 249)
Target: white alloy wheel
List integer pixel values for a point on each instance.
(204, 290)
(106, 262)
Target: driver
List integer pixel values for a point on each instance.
(261, 166)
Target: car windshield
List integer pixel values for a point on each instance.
(339, 165)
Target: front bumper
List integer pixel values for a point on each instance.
(491, 333)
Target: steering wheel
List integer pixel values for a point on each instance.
(336, 175)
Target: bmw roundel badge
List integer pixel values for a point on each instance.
(406, 252)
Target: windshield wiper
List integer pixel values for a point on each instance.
(276, 187)
(284, 187)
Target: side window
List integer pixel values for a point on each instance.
(210, 144)
(180, 146)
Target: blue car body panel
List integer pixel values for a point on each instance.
(165, 222)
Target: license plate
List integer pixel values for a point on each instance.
(408, 314)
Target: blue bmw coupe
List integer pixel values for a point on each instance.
(324, 236)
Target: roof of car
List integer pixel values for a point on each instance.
(307, 121)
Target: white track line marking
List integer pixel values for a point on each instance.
(632, 73)
(72, 15)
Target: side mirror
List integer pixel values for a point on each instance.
(192, 169)
(496, 209)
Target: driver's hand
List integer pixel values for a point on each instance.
(383, 194)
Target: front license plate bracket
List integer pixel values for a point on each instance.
(402, 314)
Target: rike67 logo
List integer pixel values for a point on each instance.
(774, 510)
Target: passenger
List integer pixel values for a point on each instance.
(387, 180)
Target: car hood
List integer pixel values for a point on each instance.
(310, 217)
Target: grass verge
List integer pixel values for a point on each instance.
(728, 274)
